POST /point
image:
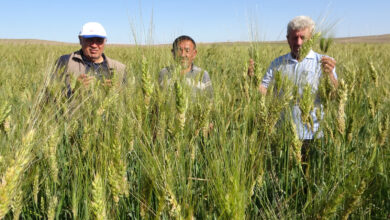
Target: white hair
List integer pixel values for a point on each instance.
(300, 23)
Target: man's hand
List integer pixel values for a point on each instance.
(251, 68)
(262, 89)
(107, 83)
(328, 64)
(85, 79)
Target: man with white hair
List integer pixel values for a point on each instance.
(301, 69)
(89, 63)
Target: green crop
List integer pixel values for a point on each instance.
(141, 151)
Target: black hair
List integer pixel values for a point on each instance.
(180, 39)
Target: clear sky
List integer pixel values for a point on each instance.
(158, 21)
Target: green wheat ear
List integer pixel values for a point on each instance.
(35, 186)
(354, 201)
(306, 105)
(342, 99)
(322, 44)
(98, 202)
(373, 73)
(329, 42)
(332, 205)
(5, 110)
(308, 44)
(255, 55)
(383, 130)
(147, 85)
(325, 44)
(181, 105)
(9, 182)
(52, 201)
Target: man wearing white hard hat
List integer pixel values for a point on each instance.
(89, 63)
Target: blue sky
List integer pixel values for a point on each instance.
(205, 21)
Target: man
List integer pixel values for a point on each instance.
(89, 62)
(301, 69)
(184, 52)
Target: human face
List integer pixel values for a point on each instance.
(93, 48)
(185, 53)
(295, 39)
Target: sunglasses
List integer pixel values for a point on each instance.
(93, 40)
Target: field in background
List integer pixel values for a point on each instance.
(142, 151)
(384, 38)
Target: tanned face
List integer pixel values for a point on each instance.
(93, 48)
(185, 53)
(295, 39)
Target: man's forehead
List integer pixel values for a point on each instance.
(303, 31)
(185, 43)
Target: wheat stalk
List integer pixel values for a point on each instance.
(342, 99)
(353, 203)
(306, 105)
(308, 45)
(147, 85)
(383, 130)
(98, 202)
(325, 44)
(373, 73)
(10, 183)
(36, 186)
(181, 105)
(52, 201)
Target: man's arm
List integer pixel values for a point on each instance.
(269, 75)
(262, 89)
(116, 67)
(265, 81)
(60, 67)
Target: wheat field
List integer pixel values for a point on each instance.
(140, 151)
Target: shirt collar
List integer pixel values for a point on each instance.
(192, 68)
(310, 55)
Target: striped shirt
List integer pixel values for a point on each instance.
(198, 79)
(308, 71)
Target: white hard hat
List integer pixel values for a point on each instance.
(92, 29)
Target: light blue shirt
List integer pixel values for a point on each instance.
(308, 71)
